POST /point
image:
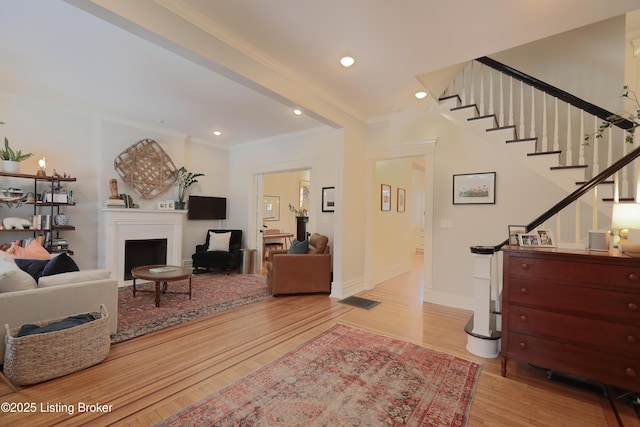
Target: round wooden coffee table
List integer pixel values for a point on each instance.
(160, 274)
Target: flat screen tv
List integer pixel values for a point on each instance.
(204, 207)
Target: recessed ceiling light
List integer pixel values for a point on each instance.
(347, 61)
(297, 111)
(217, 132)
(421, 95)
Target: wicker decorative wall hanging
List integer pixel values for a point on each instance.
(147, 168)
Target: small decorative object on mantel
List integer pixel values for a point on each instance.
(185, 180)
(146, 168)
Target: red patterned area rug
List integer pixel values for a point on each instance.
(210, 293)
(345, 377)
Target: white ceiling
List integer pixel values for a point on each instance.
(64, 53)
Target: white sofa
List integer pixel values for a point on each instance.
(56, 296)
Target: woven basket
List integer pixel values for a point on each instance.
(35, 358)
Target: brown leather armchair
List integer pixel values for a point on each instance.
(301, 273)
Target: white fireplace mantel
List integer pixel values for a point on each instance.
(119, 225)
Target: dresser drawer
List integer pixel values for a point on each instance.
(584, 362)
(587, 302)
(575, 273)
(596, 334)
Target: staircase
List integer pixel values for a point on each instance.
(544, 128)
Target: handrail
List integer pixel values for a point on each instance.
(615, 167)
(554, 91)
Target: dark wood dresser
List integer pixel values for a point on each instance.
(576, 312)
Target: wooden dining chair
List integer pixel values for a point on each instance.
(271, 244)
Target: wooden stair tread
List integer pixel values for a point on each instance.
(510, 141)
(569, 167)
(544, 153)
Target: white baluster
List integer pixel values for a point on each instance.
(556, 138)
(532, 130)
(595, 208)
(545, 141)
(511, 101)
(482, 110)
(558, 227)
(491, 111)
(610, 148)
(569, 158)
(625, 171)
(616, 187)
(577, 221)
(596, 155)
(581, 145)
(463, 89)
(521, 132)
(471, 85)
(501, 120)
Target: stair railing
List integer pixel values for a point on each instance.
(530, 101)
(537, 110)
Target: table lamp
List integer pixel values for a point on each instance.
(42, 164)
(626, 216)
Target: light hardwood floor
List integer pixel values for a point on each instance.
(149, 378)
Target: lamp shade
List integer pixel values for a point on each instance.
(625, 215)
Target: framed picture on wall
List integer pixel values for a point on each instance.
(400, 199)
(271, 208)
(474, 188)
(385, 197)
(328, 199)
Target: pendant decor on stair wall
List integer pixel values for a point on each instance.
(146, 168)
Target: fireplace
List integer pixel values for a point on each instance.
(143, 252)
(119, 226)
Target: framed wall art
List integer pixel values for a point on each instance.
(474, 188)
(328, 199)
(401, 199)
(385, 197)
(271, 208)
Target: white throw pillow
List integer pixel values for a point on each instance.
(12, 278)
(73, 277)
(219, 241)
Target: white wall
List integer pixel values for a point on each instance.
(587, 62)
(314, 150)
(392, 231)
(85, 147)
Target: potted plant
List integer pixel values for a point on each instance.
(11, 158)
(630, 121)
(185, 180)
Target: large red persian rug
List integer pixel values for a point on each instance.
(210, 293)
(345, 377)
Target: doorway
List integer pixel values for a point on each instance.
(279, 193)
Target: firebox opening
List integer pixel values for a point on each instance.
(143, 252)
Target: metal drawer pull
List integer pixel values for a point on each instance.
(524, 266)
(633, 277)
(523, 318)
(632, 339)
(632, 306)
(523, 345)
(630, 372)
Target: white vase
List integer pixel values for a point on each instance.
(10, 166)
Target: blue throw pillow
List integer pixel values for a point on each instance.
(298, 247)
(60, 264)
(32, 266)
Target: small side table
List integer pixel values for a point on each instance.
(160, 274)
